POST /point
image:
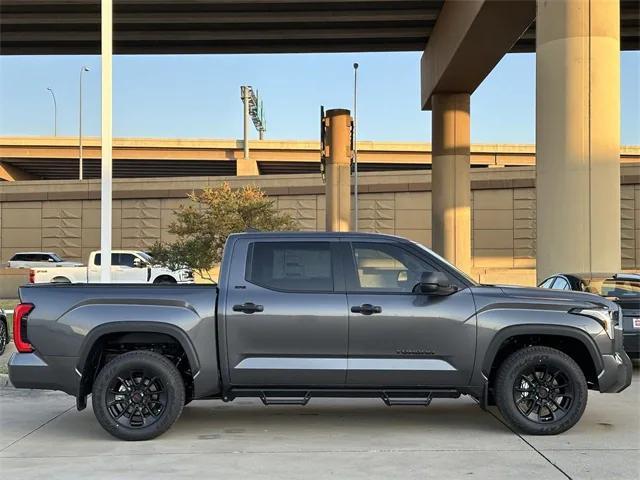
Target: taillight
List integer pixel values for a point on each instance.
(20, 338)
(32, 275)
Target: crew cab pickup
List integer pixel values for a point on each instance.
(127, 266)
(302, 315)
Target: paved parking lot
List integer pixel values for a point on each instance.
(41, 433)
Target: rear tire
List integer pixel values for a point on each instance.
(541, 391)
(165, 280)
(138, 395)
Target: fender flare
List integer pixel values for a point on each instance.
(131, 327)
(537, 329)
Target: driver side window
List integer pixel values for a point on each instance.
(386, 268)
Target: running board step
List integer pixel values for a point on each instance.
(394, 401)
(284, 400)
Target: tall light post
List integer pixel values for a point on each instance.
(82, 70)
(355, 145)
(254, 111)
(55, 112)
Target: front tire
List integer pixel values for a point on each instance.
(541, 391)
(138, 395)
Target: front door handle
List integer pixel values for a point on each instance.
(248, 307)
(366, 309)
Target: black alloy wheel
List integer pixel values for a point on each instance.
(138, 395)
(136, 399)
(540, 391)
(543, 393)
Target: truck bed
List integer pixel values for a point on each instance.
(68, 318)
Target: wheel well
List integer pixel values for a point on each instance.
(60, 279)
(165, 278)
(110, 345)
(571, 346)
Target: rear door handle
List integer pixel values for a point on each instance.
(248, 307)
(366, 309)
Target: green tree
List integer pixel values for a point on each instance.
(202, 226)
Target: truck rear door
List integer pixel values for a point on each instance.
(286, 313)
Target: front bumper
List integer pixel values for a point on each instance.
(616, 373)
(30, 370)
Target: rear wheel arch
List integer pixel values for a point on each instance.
(569, 340)
(60, 279)
(134, 336)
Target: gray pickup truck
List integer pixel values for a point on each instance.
(304, 315)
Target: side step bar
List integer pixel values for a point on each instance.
(284, 400)
(399, 397)
(392, 401)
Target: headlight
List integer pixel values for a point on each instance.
(607, 318)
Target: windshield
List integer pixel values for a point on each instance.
(613, 287)
(56, 258)
(446, 262)
(147, 258)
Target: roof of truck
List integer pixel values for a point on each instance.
(322, 235)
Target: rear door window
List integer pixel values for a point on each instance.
(291, 266)
(115, 259)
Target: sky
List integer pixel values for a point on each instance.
(198, 96)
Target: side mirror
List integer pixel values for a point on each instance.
(137, 263)
(435, 283)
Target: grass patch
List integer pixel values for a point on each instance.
(9, 304)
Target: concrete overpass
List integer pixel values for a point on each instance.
(56, 158)
(577, 45)
(240, 26)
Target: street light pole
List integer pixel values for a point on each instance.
(82, 70)
(245, 99)
(106, 162)
(355, 145)
(55, 112)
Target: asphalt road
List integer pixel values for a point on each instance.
(43, 436)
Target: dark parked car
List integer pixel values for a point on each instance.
(303, 315)
(622, 288)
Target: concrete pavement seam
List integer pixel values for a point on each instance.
(37, 428)
(530, 445)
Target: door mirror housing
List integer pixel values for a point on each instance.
(435, 283)
(138, 263)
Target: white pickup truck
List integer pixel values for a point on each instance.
(127, 266)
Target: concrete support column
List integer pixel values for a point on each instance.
(578, 136)
(246, 166)
(338, 171)
(450, 178)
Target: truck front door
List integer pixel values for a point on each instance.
(398, 337)
(286, 313)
